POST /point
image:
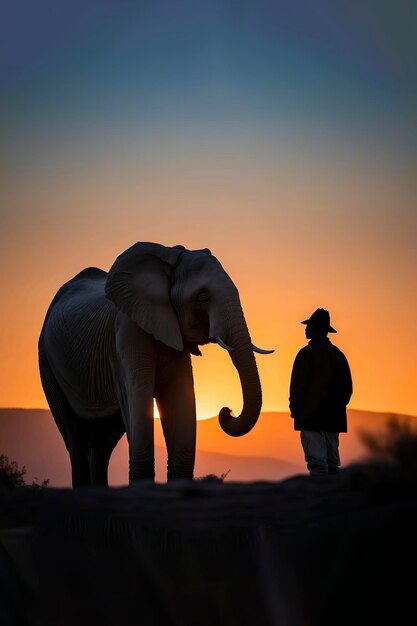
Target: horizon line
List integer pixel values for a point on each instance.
(200, 419)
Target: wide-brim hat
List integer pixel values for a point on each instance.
(320, 318)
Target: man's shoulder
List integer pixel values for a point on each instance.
(338, 354)
(303, 352)
(335, 348)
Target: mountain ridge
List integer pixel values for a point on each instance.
(271, 451)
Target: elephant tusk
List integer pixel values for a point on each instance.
(221, 343)
(260, 351)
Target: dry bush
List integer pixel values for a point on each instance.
(213, 477)
(12, 476)
(397, 445)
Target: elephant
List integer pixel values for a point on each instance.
(114, 342)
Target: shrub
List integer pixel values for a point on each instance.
(12, 476)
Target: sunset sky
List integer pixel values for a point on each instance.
(281, 135)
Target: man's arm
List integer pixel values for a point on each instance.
(298, 383)
(347, 380)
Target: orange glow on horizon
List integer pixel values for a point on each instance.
(380, 383)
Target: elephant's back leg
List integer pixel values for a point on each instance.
(69, 424)
(104, 434)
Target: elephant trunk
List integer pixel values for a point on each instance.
(243, 359)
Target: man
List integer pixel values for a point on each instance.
(320, 389)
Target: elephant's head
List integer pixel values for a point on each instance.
(185, 298)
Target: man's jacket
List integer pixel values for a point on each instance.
(320, 387)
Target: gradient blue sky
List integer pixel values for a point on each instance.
(281, 135)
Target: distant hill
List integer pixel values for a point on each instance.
(271, 451)
(30, 437)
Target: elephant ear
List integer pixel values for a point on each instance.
(139, 283)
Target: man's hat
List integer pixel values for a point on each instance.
(320, 318)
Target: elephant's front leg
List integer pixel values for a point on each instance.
(176, 403)
(135, 380)
(141, 439)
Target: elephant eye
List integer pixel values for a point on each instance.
(203, 297)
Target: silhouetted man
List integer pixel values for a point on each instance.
(320, 389)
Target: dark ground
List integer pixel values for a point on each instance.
(301, 552)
